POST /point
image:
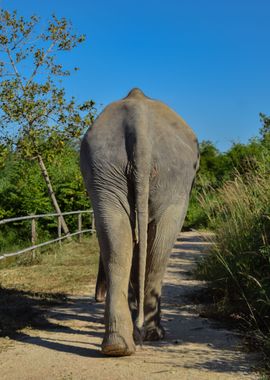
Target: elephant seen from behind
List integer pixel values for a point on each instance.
(138, 160)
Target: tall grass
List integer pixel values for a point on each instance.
(238, 266)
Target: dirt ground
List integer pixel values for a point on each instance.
(195, 348)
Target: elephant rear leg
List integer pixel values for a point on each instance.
(162, 234)
(115, 239)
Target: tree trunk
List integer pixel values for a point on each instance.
(51, 194)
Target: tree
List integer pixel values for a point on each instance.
(212, 164)
(18, 176)
(265, 130)
(36, 117)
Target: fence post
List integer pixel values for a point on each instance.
(59, 225)
(80, 226)
(93, 223)
(33, 235)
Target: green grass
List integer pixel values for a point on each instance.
(29, 285)
(68, 268)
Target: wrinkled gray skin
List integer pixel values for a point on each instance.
(138, 160)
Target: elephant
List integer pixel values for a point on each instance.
(138, 161)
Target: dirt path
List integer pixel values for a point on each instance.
(194, 348)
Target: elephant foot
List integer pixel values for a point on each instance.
(116, 345)
(100, 294)
(154, 333)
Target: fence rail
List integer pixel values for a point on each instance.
(33, 219)
(34, 216)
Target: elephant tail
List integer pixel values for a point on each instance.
(141, 166)
(142, 223)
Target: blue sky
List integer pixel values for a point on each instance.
(208, 60)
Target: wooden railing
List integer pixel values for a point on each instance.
(34, 218)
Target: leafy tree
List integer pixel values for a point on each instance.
(23, 192)
(242, 157)
(36, 118)
(265, 130)
(4, 152)
(209, 161)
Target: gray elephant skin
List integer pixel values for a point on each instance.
(138, 160)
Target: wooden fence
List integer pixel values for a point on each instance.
(34, 218)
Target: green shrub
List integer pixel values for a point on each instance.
(23, 192)
(238, 266)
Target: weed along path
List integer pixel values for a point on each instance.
(67, 345)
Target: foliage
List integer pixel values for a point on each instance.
(232, 198)
(36, 116)
(23, 192)
(216, 168)
(238, 266)
(265, 130)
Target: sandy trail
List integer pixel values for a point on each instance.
(194, 348)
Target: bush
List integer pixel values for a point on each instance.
(23, 192)
(238, 266)
(216, 168)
